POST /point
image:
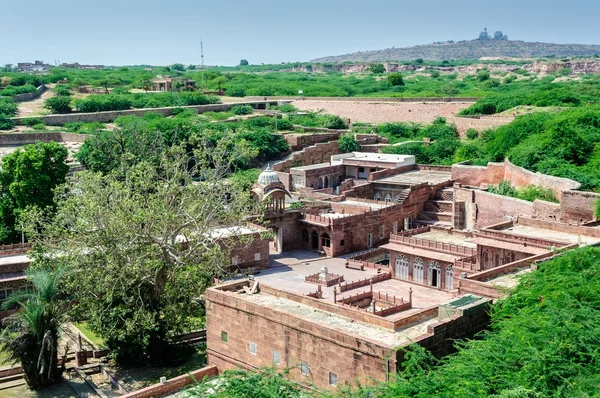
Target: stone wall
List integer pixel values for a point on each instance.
(109, 116)
(493, 173)
(299, 141)
(248, 251)
(577, 206)
(366, 99)
(31, 138)
(491, 208)
(318, 153)
(30, 96)
(293, 338)
(174, 384)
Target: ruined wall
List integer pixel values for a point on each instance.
(546, 210)
(578, 206)
(248, 251)
(295, 339)
(319, 153)
(299, 141)
(493, 173)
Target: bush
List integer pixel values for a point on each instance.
(39, 126)
(286, 108)
(62, 90)
(395, 79)
(8, 107)
(58, 104)
(435, 74)
(377, 68)
(242, 109)
(347, 143)
(31, 121)
(6, 123)
(483, 75)
(472, 134)
(236, 92)
(334, 122)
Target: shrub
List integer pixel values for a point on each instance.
(6, 123)
(286, 108)
(236, 92)
(242, 109)
(347, 143)
(472, 134)
(296, 205)
(62, 90)
(483, 75)
(435, 74)
(8, 107)
(377, 68)
(58, 104)
(334, 122)
(31, 121)
(564, 72)
(395, 79)
(39, 126)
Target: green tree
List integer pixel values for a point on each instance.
(219, 82)
(178, 67)
(244, 62)
(347, 143)
(31, 335)
(139, 240)
(395, 79)
(28, 177)
(377, 68)
(334, 122)
(58, 104)
(483, 75)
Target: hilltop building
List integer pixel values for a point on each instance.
(37, 66)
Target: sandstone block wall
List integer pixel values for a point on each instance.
(31, 138)
(576, 206)
(295, 339)
(491, 208)
(319, 153)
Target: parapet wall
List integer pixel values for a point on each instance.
(30, 96)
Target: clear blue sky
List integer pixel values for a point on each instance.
(127, 32)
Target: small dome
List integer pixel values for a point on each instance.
(268, 177)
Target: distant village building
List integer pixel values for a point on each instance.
(37, 66)
(77, 65)
(168, 83)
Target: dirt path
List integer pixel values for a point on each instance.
(385, 112)
(35, 107)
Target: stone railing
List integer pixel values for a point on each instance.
(430, 244)
(364, 282)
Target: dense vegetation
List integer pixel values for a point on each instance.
(116, 102)
(543, 343)
(563, 144)
(529, 193)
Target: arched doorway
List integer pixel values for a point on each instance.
(314, 240)
(434, 274)
(326, 182)
(305, 244)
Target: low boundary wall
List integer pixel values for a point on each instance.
(173, 384)
(30, 96)
(367, 99)
(109, 116)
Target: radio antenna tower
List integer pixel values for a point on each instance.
(202, 62)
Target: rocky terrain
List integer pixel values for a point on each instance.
(469, 49)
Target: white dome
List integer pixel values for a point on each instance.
(268, 177)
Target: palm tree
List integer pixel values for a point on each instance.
(31, 335)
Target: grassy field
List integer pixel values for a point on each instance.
(97, 340)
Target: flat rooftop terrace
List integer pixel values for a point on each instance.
(533, 232)
(446, 237)
(291, 278)
(312, 166)
(416, 177)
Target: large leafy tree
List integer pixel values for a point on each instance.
(28, 177)
(140, 242)
(31, 335)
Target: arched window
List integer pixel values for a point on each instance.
(418, 270)
(449, 278)
(377, 196)
(402, 267)
(388, 198)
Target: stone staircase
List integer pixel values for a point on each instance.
(437, 212)
(401, 197)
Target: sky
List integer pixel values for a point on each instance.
(152, 32)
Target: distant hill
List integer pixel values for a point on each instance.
(471, 49)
